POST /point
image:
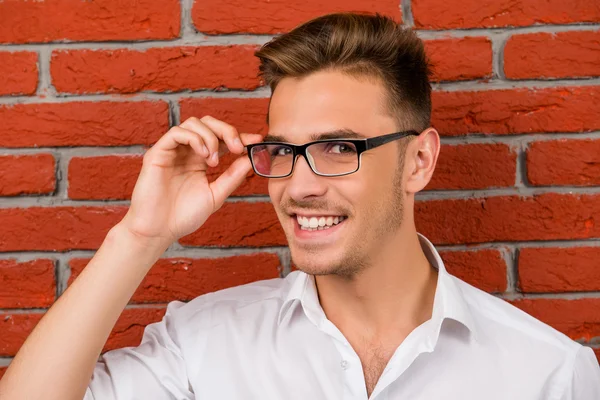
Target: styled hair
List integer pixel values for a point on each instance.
(361, 45)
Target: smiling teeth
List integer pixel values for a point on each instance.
(318, 223)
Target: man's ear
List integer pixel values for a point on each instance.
(421, 159)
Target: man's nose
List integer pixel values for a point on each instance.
(304, 182)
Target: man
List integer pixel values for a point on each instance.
(372, 313)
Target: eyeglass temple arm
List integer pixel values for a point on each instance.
(380, 140)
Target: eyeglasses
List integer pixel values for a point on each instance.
(328, 157)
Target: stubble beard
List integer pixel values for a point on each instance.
(381, 222)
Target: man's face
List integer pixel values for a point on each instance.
(368, 202)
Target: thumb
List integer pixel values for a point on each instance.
(229, 180)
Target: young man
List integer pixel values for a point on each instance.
(372, 313)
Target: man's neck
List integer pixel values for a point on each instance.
(394, 293)
(380, 306)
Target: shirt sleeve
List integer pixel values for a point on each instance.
(155, 370)
(585, 383)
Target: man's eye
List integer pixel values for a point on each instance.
(341, 148)
(281, 151)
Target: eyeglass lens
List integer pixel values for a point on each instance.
(327, 158)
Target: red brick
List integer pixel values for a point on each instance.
(114, 177)
(578, 319)
(106, 177)
(509, 218)
(239, 224)
(56, 228)
(552, 55)
(2, 371)
(27, 284)
(18, 72)
(571, 269)
(246, 115)
(27, 174)
(460, 59)
(597, 352)
(474, 166)
(485, 269)
(158, 69)
(185, 278)
(103, 123)
(564, 162)
(508, 111)
(15, 328)
(130, 327)
(47, 21)
(443, 14)
(276, 16)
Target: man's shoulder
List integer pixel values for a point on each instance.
(504, 320)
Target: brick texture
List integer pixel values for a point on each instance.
(485, 269)
(564, 162)
(48, 21)
(510, 111)
(460, 59)
(27, 174)
(442, 14)
(103, 123)
(56, 228)
(157, 70)
(18, 72)
(27, 284)
(496, 166)
(553, 55)
(555, 270)
(509, 218)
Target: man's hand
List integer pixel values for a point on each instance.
(172, 196)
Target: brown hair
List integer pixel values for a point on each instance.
(362, 45)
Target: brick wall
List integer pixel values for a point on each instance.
(514, 205)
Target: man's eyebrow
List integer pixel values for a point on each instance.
(335, 134)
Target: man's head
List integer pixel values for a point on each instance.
(337, 76)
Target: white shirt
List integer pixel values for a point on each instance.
(271, 340)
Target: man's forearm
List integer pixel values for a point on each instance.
(57, 360)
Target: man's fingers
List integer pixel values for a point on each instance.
(225, 132)
(177, 136)
(196, 126)
(229, 180)
(251, 138)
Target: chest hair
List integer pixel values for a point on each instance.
(374, 360)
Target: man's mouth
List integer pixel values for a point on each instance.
(319, 222)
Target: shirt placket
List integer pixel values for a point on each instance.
(350, 365)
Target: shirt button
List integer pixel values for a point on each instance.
(344, 364)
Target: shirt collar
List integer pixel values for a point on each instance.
(449, 301)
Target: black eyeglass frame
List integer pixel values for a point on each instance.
(361, 146)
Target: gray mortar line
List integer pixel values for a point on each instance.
(192, 37)
(407, 17)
